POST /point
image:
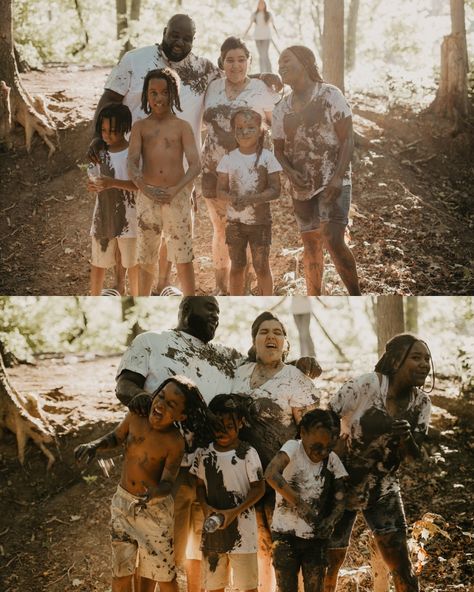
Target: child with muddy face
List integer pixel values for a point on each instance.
(309, 482)
(229, 483)
(114, 222)
(142, 507)
(249, 178)
(157, 146)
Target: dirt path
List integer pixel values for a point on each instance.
(412, 216)
(54, 527)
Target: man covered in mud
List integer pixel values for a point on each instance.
(312, 135)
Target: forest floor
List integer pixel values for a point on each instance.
(54, 526)
(412, 218)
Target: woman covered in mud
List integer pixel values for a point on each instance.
(384, 418)
(279, 395)
(223, 97)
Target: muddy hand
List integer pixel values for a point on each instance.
(401, 428)
(85, 451)
(273, 81)
(140, 404)
(309, 366)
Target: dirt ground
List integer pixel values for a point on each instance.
(412, 215)
(54, 526)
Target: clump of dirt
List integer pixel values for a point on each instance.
(412, 212)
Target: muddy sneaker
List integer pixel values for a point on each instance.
(109, 292)
(171, 291)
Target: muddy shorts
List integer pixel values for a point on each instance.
(219, 570)
(103, 252)
(384, 516)
(143, 536)
(238, 236)
(173, 220)
(311, 213)
(291, 553)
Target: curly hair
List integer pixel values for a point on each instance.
(200, 421)
(172, 83)
(262, 317)
(320, 418)
(118, 113)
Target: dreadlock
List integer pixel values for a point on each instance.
(308, 60)
(246, 111)
(262, 317)
(320, 418)
(396, 352)
(117, 113)
(199, 421)
(172, 83)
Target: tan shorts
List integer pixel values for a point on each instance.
(173, 220)
(106, 258)
(143, 536)
(243, 566)
(188, 518)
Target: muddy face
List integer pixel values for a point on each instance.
(178, 38)
(290, 68)
(167, 407)
(247, 130)
(270, 342)
(228, 438)
(158, 96)
(317, 443)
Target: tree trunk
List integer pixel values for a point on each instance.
(128, 304)
(411, 314)
(24, 110)
(390, 320)
(351, 34)
(84, 32)
(122, 20)
(22, 415)
(333, 43)
(133, 25)
(452, 100)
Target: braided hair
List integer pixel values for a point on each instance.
(308, 60)
(199, 420)
(172, 83)
(237, 405)
(247, 111)
(119, 114)
(320, 418)
(396, 352)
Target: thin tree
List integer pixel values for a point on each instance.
(333, 43)
(390, 319)
(351, 34)
(452, 99)
(127, 21)
(19, 105)
(411, 314)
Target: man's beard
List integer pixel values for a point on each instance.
(171, 55)
(200, 328)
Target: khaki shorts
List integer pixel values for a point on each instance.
(105, 257)
(173, 220)
(243, 566)
(143, 535)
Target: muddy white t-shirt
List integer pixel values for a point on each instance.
(158, 356)
(218, 110)
(307, 478)
(373, 461)
(246, 178)
(195, 73)
(227, 477)
(311, 142)
(115, 213)
(272, 421)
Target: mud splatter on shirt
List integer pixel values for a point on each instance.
(218, 110)
(246, 178)
(195, 73)
(307, 478)
(272, 421)
(311, 142)
(115, 213)
(373, 458)
(227, 477)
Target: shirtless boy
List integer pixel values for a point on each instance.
(157, 146)
(142, 507)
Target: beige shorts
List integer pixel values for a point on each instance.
(188, 518)
(173, 220)
(242, 566)
(143, 536)
(106, 258)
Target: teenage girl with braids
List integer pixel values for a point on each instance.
(155, 161)
(249, 178)
(384, 418)
(142, 507)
